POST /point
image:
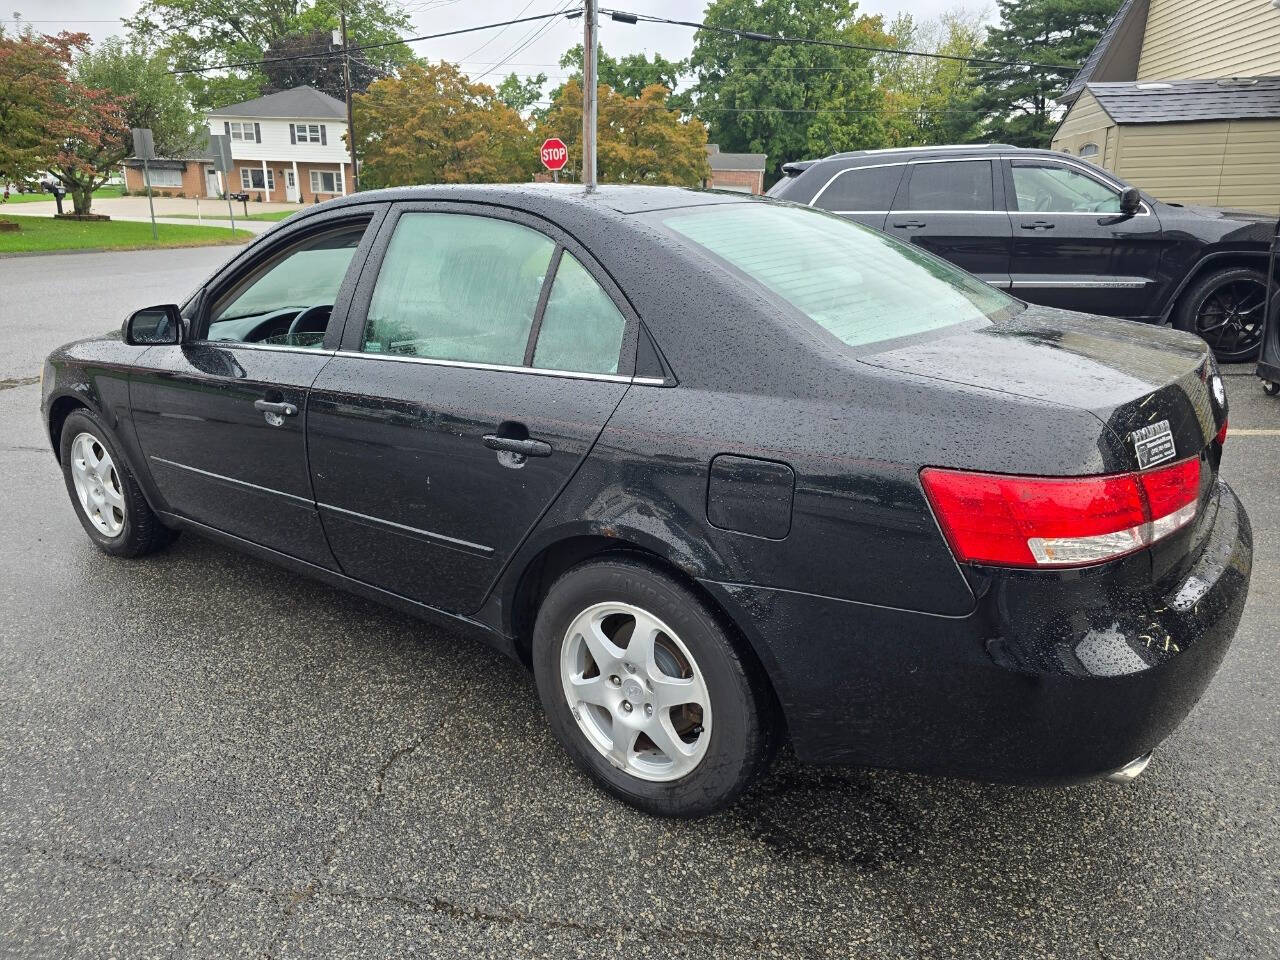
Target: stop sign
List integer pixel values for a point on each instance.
(554, 153)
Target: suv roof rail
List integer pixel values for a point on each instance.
(941, 146)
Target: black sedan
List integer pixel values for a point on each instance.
(722, 471)
(1057, 230)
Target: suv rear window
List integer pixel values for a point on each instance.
(856, 283)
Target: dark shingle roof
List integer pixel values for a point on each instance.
(1189, 100)
(302, 102)
(735, 161)
(1116, 55)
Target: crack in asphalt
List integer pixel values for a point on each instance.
(8, 383)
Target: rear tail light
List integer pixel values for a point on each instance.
(1221, 438)
(1010, 521)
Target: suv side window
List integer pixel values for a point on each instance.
(288, 300)
(458, 287)
(861, 190)
(1054, 188)
(949, 186)
(581, 326)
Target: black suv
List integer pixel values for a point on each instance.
(1057, 230)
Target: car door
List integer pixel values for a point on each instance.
(863, 194)
(952, 208)
(1072, 247)
(480, 362)
(221, 418)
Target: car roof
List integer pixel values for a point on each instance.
(856, 158)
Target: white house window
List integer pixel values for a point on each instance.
(1089, 150)
(164, 177)
(326, 181)
(251, 178)
(242, 131)
(308, 133)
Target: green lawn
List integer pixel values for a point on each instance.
(102, 193)
(39, 234)
(271, 215)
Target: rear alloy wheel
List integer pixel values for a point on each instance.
(1226, 310)
(647, 691)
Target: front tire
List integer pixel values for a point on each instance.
(106, 496)
(648, 692)
(1225, 309)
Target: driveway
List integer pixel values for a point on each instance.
(205, 756)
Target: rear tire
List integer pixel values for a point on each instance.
(1270, 388)
(585, 641)
(104, 493)
(1220, 308)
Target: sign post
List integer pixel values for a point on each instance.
(144, 148)
(220, 147)
(554, 156)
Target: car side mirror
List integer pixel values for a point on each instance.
(1130, 201)
(154, 326)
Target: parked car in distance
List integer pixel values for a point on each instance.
(712, 483)
(1059, 231)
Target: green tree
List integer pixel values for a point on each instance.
(929, 100)
(206, 33)
(631, 74)
(638, 139)
(786, 100)
(1018, 101)
(297, 65)
(430, 124)
(117, 87)
(34, 111)
(521, 95)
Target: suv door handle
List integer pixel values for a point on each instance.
(279, 409)
(911, 224)
(1038, 225)
(525, 448)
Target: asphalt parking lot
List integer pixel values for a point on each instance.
(204, 756)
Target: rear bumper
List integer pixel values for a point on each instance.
(1053, 678)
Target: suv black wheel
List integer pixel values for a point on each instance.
(106, 497)
(1225, 308)
(647, 691)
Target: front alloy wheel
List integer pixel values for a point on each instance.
(1229, 317)
(97, 484)
(636, 691)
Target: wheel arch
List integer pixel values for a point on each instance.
(60, 408)
(1211, 263)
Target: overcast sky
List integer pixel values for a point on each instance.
(490, 54)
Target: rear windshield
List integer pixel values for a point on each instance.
(860, 285)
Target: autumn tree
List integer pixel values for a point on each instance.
(116, 87)
(430, 124)
(638, 139)
(34, 110)
(207, 33)
(789, 100)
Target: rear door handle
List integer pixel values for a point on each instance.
(911, 224)
(525, 448)
(279, 409)
(1038, 225)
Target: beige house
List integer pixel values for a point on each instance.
(1182, 98)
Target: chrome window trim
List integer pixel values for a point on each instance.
(497, 367)
(279, 347)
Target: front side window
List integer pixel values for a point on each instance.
(956, 185)
(288, 300)
(458, 287)
(1052, 188)
(861, 190)
(858, 284)
(581, 326)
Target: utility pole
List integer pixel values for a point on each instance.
(590, 28)
(346, 85)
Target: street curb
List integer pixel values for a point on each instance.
(77, 250)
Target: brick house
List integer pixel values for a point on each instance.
(287, 147)
(743, 172)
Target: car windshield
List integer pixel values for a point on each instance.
(861, 286)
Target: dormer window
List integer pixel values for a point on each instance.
(308, 133)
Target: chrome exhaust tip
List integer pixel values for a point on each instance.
(1130, 771)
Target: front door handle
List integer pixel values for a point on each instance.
(525, 448)
(279, 409)
(1038, 225)
(911, 224)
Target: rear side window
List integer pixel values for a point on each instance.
(581, 327)
(458, 287)
(864, 190)
(856, 283)
(952, 186)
